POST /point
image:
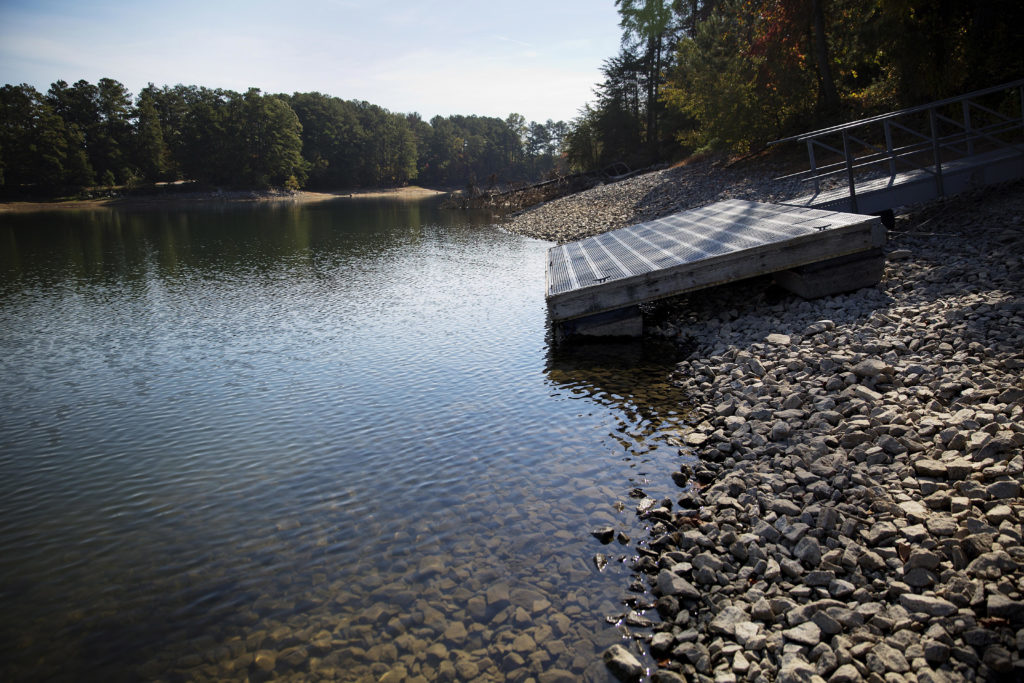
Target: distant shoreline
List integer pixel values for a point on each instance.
(411, 192)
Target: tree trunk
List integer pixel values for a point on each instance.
(654, 66)
(829, 95)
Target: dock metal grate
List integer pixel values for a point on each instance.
(683, 238)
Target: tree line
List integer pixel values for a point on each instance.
(85, 134)
(731, 75)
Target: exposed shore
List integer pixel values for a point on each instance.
(185, 199)
(856, 510)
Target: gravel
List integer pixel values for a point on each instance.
(854, 512)
(653, 195)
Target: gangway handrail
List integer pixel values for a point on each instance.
(858, 150)
(903, 153)
(900, 112)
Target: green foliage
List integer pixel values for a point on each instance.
(34, 144)
(77, 133)
(734, 74)
(583, 143)
(738, 96)
(152, 153)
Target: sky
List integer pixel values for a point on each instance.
(537, 58)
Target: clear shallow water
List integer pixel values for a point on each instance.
(327, 441)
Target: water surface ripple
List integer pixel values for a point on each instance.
(326, 441)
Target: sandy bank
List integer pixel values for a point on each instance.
(206, 198)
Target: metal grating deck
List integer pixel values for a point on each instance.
(720, 243)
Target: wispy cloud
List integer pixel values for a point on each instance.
(431, 57)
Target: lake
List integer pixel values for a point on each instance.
(325, 441)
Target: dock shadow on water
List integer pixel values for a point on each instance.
(323, 443)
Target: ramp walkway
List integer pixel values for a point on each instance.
(917, 154)
(594, 285)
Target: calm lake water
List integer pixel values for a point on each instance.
(319, 442)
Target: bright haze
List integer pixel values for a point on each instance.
(538, 58)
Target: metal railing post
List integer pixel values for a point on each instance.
(936, 151)
(967, 127)
(888, 148)
(849, 172)
(1021, 91)
(814, 166)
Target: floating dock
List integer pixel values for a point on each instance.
(594, 285)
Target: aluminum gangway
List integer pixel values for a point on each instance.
(912, 155)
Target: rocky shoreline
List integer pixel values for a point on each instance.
(852, 507)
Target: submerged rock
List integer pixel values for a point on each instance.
(623, 664)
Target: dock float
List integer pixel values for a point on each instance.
(594, 286)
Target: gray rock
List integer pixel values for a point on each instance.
(807, 633)
(826, 623)
(709, 561)
(497, 596)
(959, 469)
(794, 670)
(915, 511)
(919, 578)
(623, 664)
(999, 514)
(1001, 490)
(883, 658)
(661, 643)
(556, 676)
(847, 673)
(941, 526)
(783, 506)
(665, 676)
(872, 367)
(921, 558)
(891, 445)
(879, 533)
(1001, 607)
(840, 588)
(991, 565)
(745, 632)
(870, 561)
(930, 468)
(819, 577)
(935, 651)
(704, 576)
(790, 567)
(669, 583)
(863, 393)
(819, 327)
(762, 611)
(694, 653)
(936, 607)
(998, 659)
(808, 551)
(780, 431)
(726, 620)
